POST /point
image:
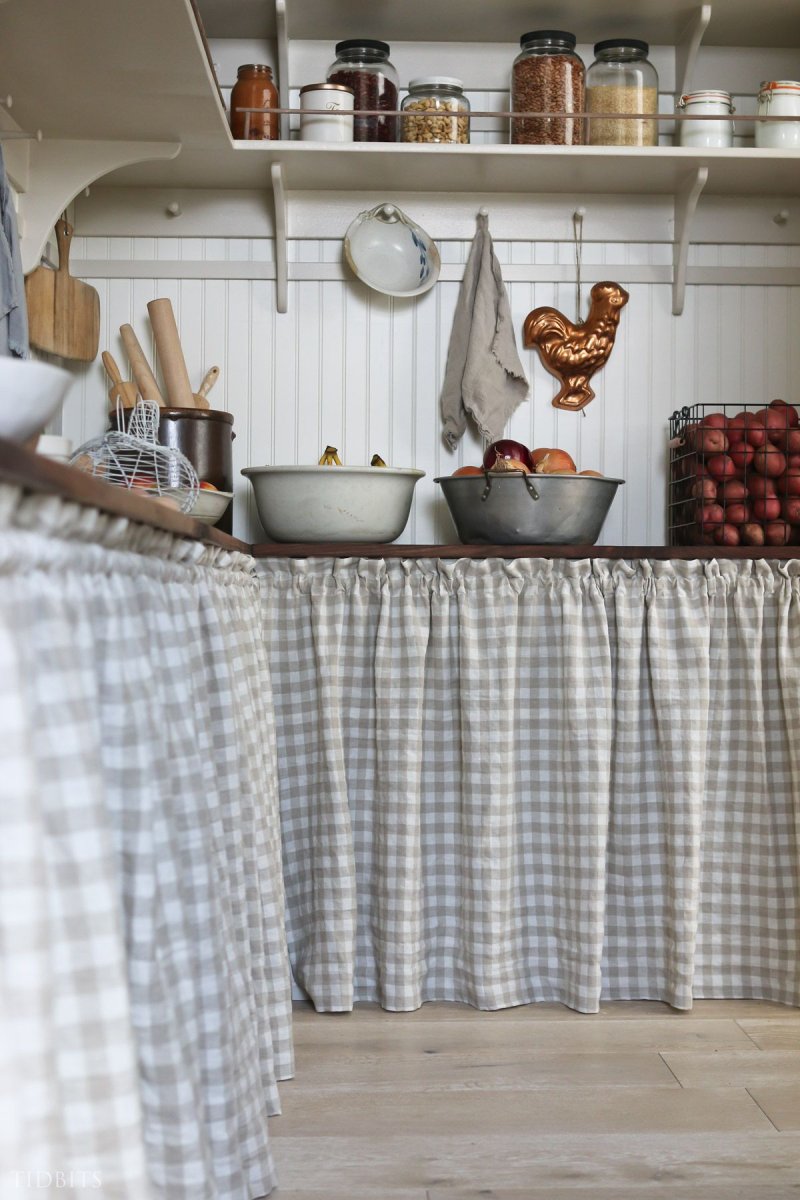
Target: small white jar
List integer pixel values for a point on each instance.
(336, 123)
(706, 135)
(54, 446)
(778, 98)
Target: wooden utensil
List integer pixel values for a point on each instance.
(63, 313)
(126, 391)
(209, 379)
(145, 379)
(112, 370)
(173, 364)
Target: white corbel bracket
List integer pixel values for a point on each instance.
(52, 173)
(687, 47)
(685, 204)
(281, 259)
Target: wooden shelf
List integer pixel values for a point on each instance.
(393, 550)
(35, 473)
(661, 22)
(317, 167)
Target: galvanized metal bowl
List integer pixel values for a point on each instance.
(532, 510)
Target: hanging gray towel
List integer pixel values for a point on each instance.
(13, 312)
(484, 377)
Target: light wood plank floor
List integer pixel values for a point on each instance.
(538, 1102)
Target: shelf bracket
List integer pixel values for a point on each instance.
(282, 27)
(281, 260)
(687, 46)
(685, 204)
(53, 172)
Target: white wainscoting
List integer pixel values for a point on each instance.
(362, 372)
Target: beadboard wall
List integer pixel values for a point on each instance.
(360, 371)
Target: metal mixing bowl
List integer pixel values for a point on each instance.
(532, 510)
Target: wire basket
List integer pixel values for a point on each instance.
(133, 458)
(734, 475)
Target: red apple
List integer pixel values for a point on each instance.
(768, 460)
(767, 510)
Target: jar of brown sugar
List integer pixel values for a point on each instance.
(547, 77)
(363, 65)
(254, 88)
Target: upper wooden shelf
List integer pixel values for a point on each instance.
(734, 22)
(373, 167)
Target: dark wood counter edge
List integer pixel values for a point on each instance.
(393, 550)
(35, 473)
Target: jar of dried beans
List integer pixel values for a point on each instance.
(547, 77)
(435, 110)
(363, 65)
(620, 81)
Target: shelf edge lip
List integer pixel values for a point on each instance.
(265, 550)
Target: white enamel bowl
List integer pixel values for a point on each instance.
(333, 504)
(31, 393)
(391, 253)
(210, 506)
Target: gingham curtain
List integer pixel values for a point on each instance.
(509, 781)
(144, 993)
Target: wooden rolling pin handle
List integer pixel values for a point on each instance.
(173, 364)
(140, 367)
(114, 373)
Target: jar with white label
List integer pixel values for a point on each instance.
(779, 98)
(706, 135)
(335, 124)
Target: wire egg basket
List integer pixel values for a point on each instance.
(132, 458)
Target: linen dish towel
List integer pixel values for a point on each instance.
(484, 378)
(13, 311)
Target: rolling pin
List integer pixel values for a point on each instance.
(173, 365)
(145, 379)
(127, 392)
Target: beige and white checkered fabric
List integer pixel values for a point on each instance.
(506, 781)
(143, 973)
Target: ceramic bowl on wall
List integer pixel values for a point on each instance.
(388, 252)
(31, 393)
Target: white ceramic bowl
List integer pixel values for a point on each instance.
(31, 393)
(390, 253)
(333, 504)
(210, 506)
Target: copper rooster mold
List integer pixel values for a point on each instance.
(573, 353)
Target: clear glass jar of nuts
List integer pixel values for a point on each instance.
(547, 77)
(435, 110)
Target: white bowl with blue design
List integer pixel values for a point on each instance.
(390, 253)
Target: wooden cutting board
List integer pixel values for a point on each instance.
(63, 313)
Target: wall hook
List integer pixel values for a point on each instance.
(174, 209)
(781, 217)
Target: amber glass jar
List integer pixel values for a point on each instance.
(254, 88)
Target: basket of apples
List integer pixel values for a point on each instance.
(735, 479)
(527, 497)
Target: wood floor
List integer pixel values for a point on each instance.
(535, 1103)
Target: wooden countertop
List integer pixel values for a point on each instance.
(35, 473)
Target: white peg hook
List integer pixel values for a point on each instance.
(483, 211)
(781, 217)
(174, 209)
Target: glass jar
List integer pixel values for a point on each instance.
(621, 80)
(363, 65)
(429, 104)
(706, 135)
(254, 88)
(547, 77)
(778, 98)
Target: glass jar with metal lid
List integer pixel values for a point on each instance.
(254, 89)
(547, 77)
(779, 98)
(435, 110)
(621, 80)
(706, 135)
(363, 65)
